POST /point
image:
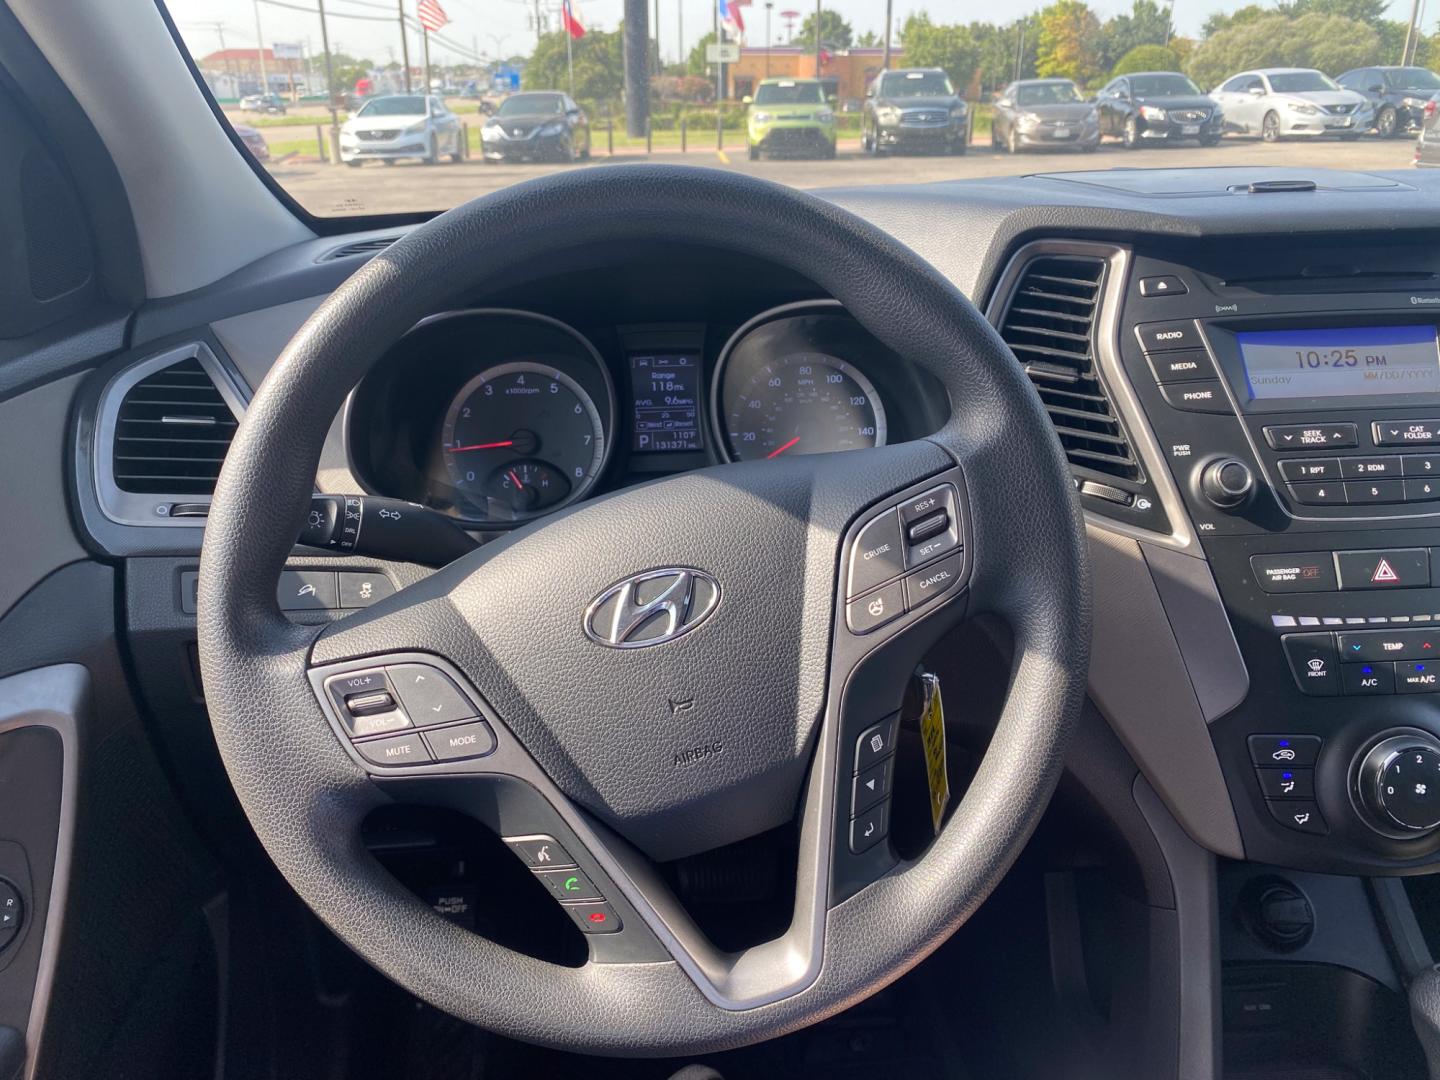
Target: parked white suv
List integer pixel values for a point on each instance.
(1276, 103)
(402, 126)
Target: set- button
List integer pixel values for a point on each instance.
(434, 719)
(902, 558)
(578, 896)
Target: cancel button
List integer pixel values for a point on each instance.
(462, 741)
(930, 582)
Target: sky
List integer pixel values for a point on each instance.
(505, 27)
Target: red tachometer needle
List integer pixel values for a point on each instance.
(480, 446)
(781, 449)
(518, 485)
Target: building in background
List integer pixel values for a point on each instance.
(846, 73)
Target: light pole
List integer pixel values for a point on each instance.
(889, 19)
(260, 51)
(769, 5)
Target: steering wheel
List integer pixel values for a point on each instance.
(663, 670)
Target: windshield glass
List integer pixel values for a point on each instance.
(532, 105)
(1162, 86)
(393, 106)
(1300, 82)
(915, 84)
(1046, 94)
(295, 74)
(1413, 78)
(795, 93)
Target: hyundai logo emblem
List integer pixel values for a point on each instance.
(651, 608)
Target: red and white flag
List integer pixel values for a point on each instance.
(572, 24)
(432, 15)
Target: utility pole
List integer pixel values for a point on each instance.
(329, 87)
(1020, 49)
(425, 37)
(889, 21)
(719, 80)
(769, 4)
(260, 50)
(538, 31)
(404, 43)
(680, 29)
(817, 38)
(637, 66)
(1410, 33)
(1169, 23)
(655, 33)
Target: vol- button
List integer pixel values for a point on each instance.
(878, 554)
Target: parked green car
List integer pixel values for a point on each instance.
(790, 116)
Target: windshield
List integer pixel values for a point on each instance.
(532, 105)
(789, 93)
(915, 84)
(295, 72)
(1162, 86)
(1414, 78)
(1047, 94)
(1300, 82)
(393, 106)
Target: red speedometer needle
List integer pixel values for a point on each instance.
(781, 449)
(518, 485)
(480, 446)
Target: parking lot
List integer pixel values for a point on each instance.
(408, 186)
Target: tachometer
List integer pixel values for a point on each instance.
(521, 439)
(799, 403)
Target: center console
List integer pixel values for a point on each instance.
(1296, 408)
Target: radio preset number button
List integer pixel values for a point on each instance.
(1311, 469)
(1332, 494)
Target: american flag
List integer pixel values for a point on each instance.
(432, 15)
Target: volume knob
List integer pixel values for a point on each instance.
(1227, 483)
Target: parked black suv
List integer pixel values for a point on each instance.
(912, 109)
(1398, 95)
(1158, 106)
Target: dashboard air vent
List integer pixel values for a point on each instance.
(373, 246)
(1050, 326)
(172, 432)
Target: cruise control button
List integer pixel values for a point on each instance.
(1287, 783)
(1394, 568)
(871, 786)
(870, 827)
(925, 528)
(594, 918)
(1417, 676)
(1284, 749)
(926, 584)
(875, 743)
(875, 610)
(568, 885)
(1314, 663)
(1205, 397)
(1155, 337)
(461, 741)
(395, 751)
(1310, 469)
(539, 851)
(1361, 679)
(1332, 494)
(428, 696)
(1300, 815)
(1312, 436)
(1306, 571)
(931, 502)
(1406, 432)
(877, 555)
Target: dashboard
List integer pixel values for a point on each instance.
(498, 416)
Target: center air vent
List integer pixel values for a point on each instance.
(373, 246)
(172, 432)
(1050, 326)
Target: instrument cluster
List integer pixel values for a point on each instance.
(500, 416)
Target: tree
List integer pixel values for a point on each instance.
(951, 48)
(869, 40)
(1147, 58)
(1369, 12)
(696, 63)
(998, 47)
(1069, 42)
(1146, 24)
(599, 65)
(835, 32)
(345, 69)
(1328, 42)
(1221, 21)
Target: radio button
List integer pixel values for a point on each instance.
(1318, 494)
(1418, 490)
(1369, 468)
(1157, 336)
(1180, 366)
(1312, 436)
(1206, 397)
(1406, 432)
(1312, 469)
(1360, 492)
(1420, 465)
(1309, 571)
(1395, 568)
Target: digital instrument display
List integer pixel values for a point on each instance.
(1340, 363)
(666, 392)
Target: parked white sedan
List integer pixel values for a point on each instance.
(401, 126)
(1277, 103)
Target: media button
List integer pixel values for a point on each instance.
(1186, 366)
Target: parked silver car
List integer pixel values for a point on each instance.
(1044, 112)
(402, 126)
(1278, 103)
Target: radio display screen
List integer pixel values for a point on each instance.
(1367, 361)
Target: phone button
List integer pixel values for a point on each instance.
(568, 885)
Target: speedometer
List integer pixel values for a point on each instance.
(521, 439)
(800, 403)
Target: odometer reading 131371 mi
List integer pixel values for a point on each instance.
(800, 403)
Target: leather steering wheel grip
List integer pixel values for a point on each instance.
(305, 796)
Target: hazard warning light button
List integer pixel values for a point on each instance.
(1394, 568)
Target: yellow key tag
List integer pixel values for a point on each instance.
(932, 734)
